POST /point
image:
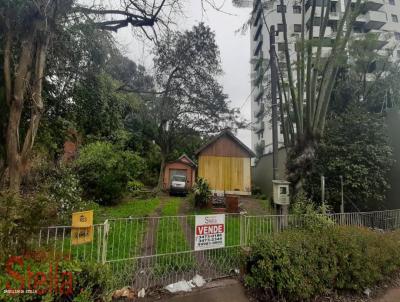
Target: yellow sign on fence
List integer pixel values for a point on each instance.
(82, 227)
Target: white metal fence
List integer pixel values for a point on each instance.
(151, 251)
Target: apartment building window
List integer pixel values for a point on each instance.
(281, 46)
(395, 19)
(297, 28)
(391, 2)
(296, 9)
(281, 28)
(281, 8)
(333, 7)
(397, 36)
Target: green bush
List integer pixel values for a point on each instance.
(63, 189)
(134, 186)
(202, 192)
(20, 220)
(309, 214)
(105, 171)
(90, 281)
(299, 264)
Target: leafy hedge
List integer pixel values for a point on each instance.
(104, 171)
(300, 264)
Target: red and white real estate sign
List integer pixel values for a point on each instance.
(209, 232)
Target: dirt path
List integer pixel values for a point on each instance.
(204, 266)
(143, 272)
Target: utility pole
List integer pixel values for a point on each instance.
(283, 209)
(274, 104)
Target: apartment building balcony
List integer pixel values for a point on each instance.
(382, 38)
(260, 111)
(259, 78)
(259, 96)
(333, 15)
(374, 4)
(328, 32)
(258, 48)
(371, 20)
(258, 33)
(242, 3)
(259, 127)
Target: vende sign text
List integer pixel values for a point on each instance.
(209, 232)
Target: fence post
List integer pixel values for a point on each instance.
(104, 242)
(242, 230)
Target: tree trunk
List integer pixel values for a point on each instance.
(16, 95)
(161, 175)
(12, 139)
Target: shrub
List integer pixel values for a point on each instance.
(355, 145)
(90, 281)
(202, 192)
(64, 190)
(309, 214)
(300, 264)
(134, 186)
(105, 171)
(20, 219)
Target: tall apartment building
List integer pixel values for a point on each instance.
(379, 16)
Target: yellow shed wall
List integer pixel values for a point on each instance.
(226, 173)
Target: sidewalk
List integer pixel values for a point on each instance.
(392, 295)
(224, 291)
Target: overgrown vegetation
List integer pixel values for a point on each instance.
(356, 146)
(90, 281)
(202, 193)
(20, 219)
(300, 264)
(104, 171)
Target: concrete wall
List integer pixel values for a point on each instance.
(262, 171)
(393, 121)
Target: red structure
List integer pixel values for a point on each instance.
(182, 166)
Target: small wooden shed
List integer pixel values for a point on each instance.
(225, 162)
(182, 166)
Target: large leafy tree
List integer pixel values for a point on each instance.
(27, 31)
(369, 77)
(308, 93)
(355, 146)
(189, 98)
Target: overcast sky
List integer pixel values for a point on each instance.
(234, 47)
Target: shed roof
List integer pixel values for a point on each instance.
(230, 135)
(185, 160)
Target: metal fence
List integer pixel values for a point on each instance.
(151, 251)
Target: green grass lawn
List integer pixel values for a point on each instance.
(133, 208)
(128, 228)
(171, 207)
(125, 235)
(171, 239)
